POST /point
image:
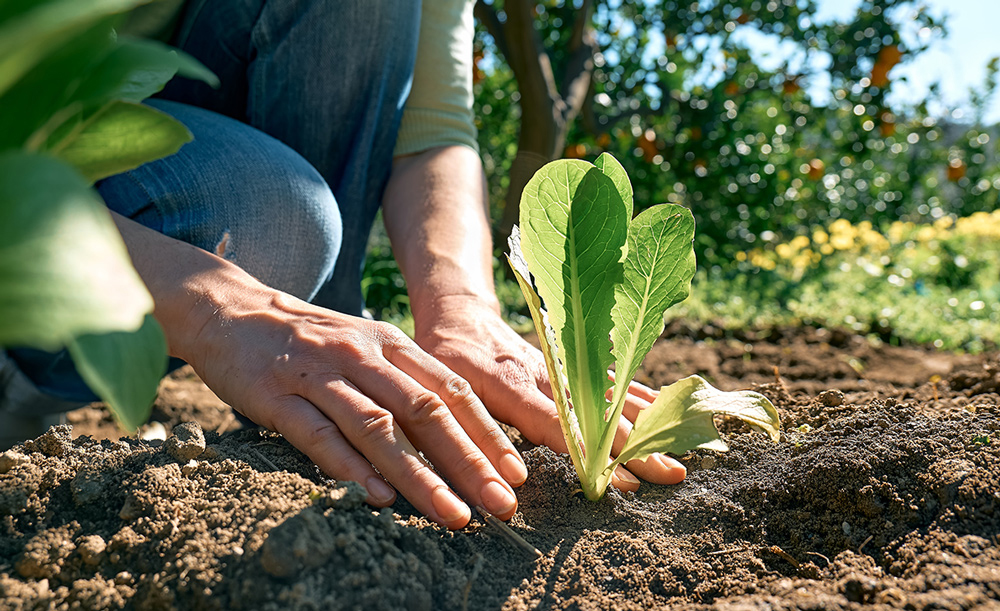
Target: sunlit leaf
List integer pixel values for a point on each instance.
(680, 419)
(657, 274)
(574, 225)
(27, 35)
(63, 266)
(119, 137)
(549, 347)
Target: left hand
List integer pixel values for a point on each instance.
(510, 377)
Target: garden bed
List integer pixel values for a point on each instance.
(884, 491)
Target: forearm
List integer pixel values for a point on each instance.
(436, 215)
(189, 285)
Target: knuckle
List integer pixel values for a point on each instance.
(424, 407)
(494, 437)
(474, 466)
(388, 333)
(318, 436)
(456, 390)
(377, 428)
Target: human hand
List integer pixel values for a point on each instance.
(511, 378)
(356, 396)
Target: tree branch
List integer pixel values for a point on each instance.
(487, 16)
(580, 66)
(528, 58)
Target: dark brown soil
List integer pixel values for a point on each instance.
(884, 493)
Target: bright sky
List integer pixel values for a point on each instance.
(957, 61)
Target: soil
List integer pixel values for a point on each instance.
(884, 493)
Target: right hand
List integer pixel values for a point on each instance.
(356, 396)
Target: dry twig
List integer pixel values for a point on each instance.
(870, 537)
(820, 556)
(264, 459)
(509, 533)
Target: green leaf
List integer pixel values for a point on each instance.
(547, 343)
(614, 170)
(136, 69)
(41, 101)
(28, 35)
(119, 137)
(575, 224)
(657, 274)
(64, 270)
(124, 369)
(680, 419)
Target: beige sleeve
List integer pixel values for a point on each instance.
(439, 109)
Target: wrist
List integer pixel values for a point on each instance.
(431, 311)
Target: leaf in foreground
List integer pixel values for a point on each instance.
(120, 137)
(547, 344)
(123, 369)
(63, 266)
(680, 419)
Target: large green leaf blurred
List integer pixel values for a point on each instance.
(124, 369)
(78, 79)
(41, 100)
(63, 266)
(119, 137)
(29, 31)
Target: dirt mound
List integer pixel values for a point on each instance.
(884, 493)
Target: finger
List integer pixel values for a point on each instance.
(464, 406)
(431, 426)
(374, 432)
(639, 394)
(657, 469)
(308, 429)
(623, 480)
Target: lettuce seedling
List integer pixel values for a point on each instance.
(606, 279)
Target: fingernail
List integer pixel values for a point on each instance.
(626, 476)
(513, 469)
(497, 499)
(379, 490)
(449, 507)
(677, 471)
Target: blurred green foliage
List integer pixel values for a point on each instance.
(764, 153)
(930, 283)
(679, 97)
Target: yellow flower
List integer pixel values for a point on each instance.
(820, 236)
(926, 233)
(841, 241)
(943, 223)
(799, 242)
(784, 251)
(841, 226)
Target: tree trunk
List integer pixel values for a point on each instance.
(547, 110)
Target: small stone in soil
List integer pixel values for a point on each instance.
(347, 495)
(186, 442)
(11, 459)
(831, 398)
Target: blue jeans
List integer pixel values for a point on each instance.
(290, 157)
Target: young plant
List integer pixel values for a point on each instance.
(606, 280)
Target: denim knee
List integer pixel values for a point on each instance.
(237, 192)
(288, 236)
